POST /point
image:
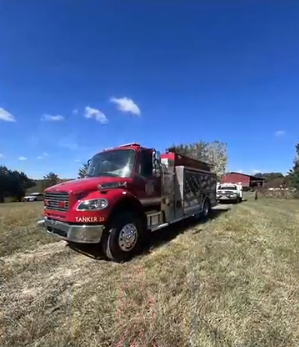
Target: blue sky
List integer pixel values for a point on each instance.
(79, 76)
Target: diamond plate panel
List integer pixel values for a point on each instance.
(199, 184)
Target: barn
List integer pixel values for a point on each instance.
(247, 181)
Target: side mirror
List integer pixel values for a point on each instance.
(157, 156)
(88, 161)
(156, 163)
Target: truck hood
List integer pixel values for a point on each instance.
(84, 184)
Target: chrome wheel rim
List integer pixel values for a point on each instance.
(128, 237)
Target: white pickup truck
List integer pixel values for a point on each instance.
(34, 197)
(230, 192)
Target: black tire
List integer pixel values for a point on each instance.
(240, 199)
(114, 245)
(206, 209)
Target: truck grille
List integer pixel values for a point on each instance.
(57, 201)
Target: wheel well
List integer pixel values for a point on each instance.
(128, 205)
(204, 200)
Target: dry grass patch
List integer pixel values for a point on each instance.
(230, 282)
(18, 231)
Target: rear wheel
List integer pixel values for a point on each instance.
(206, 209)
(123, 238)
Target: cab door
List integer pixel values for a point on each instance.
(148, 187)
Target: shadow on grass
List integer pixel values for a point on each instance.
(160, 237)
(157, 238)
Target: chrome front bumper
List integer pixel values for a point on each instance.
(78, 233)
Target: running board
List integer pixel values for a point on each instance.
(160, 226)
(155, 220)
(164, 225)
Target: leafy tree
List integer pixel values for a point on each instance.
(216, 154)
(213, 153)
(19, 183)
(192, 150)
(4, 180)
(293, 174)
(50, 180)
(269, 175)
(83, 170)
(13, 184)
(272, 179)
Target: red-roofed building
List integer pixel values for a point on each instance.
(247, 181)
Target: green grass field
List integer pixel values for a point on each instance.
(232, 281)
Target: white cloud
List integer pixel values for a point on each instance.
(240, 171)
(22, 158)
(126, 105)
(256, 171)
(96, 114)
(77, 160)
(280, 132)
(1, 156)
(75, 111)
(6, 116)
(50, 118)
(42, 156)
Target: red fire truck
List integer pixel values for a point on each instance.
(128, 192)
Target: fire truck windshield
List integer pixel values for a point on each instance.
(118, 163)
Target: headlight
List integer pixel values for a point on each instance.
(92, 205)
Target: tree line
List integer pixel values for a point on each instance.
(16, 184)
(13, 183)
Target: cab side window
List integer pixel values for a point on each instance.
(145, 164)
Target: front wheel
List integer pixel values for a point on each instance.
(122, 239)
